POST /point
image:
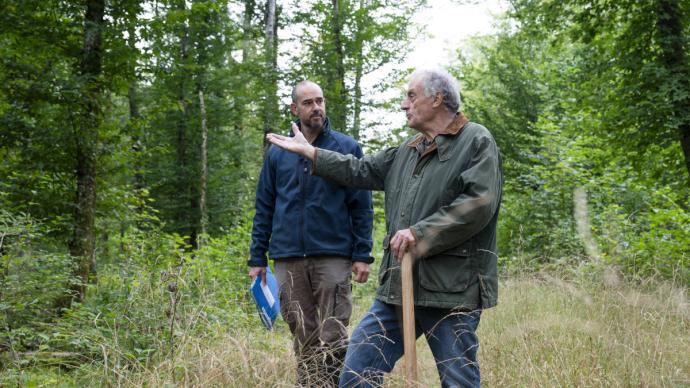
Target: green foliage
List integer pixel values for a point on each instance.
(580, 95)
(33, 276)
(154, 286)
(569, 112)
(337, 46)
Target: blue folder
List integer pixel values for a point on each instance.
(266, 298)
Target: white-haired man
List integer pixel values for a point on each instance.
(443, 191)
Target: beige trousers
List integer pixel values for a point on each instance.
(316, 303)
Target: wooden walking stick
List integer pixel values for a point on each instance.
(409, 337)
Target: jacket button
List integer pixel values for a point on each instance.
(305, 169)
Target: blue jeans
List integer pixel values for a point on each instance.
(376, 345)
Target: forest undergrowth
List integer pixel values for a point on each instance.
(588, 327)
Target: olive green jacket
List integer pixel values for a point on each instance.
(449, 196)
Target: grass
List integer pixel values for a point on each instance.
(546, 331)
(549, 332)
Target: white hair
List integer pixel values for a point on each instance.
(437, 80)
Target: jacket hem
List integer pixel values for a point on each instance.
(300, 255)
(437, 304)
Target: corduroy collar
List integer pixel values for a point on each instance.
(454, 128)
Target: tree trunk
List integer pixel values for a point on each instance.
(357, 103)
(685, 144)
(204, 165)
(339, 109)
(83, 244)
(271, 87)
(247, 33)
(673, 57)
(185, 218)
(134, 127)
(357, 108)
(135, 116)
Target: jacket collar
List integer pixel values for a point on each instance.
(441, 142)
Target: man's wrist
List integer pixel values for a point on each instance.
(363, 259)
(311, 153)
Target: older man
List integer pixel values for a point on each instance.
(443, 191)
(317, 232)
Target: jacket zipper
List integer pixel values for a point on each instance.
(303, 184)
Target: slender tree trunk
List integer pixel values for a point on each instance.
(134, 118)
(271, 88)
(685, 145)
(357, 103)
(339, 115)
(204, 165)
(247, 32)
(357, 108)
(185, 213)
(201, 212)
(83, 244)
(135, 133)
(674, 59)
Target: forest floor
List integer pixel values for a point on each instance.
(546, 331)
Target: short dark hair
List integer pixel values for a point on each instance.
(300, 83)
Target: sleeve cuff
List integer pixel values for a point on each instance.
(416, 233)
(254, 262)
(420, 248)
(364, 259)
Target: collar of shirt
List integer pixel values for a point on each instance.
(425, 148)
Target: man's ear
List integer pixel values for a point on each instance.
(438, 100)
(293, 108)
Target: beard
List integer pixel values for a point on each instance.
(316, 121)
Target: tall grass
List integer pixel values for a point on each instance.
(551, 332)
(547, 330)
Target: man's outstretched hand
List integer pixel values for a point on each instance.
(297, 144)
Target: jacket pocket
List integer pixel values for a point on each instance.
(450, 271)
(384, 268)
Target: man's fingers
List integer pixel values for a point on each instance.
(361, 277)
(360, 271)
(275, 138)
(399, 248)
(258, 271)
(395, 244)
